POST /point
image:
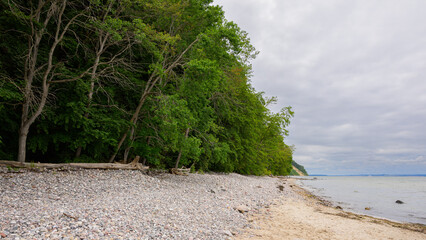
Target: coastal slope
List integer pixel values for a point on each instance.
(298, 170)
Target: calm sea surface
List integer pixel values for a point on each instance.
(378, 193)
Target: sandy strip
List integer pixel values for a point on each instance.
(307, 217)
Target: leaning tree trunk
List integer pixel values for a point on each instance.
(151, 83)
(132, 139)
(180, 152)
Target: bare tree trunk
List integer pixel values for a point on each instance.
(180, 152)
(78, 152)
(22, 145)
(55, 9)
(23, 130)
(132, 139)
(126, 153)
(27, 121)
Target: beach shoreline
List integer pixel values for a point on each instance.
(308, 216)
(123, 204)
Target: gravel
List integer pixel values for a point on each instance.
(123, 204)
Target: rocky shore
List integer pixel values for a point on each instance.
(122, 204)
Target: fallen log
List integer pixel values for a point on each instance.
(180, 171)
(134, 165)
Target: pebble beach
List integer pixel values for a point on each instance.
(122, 204)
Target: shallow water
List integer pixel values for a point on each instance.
(377, 193)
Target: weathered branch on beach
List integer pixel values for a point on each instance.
(135, 165)
(180, 171)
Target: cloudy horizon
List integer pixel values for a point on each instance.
(354, 73)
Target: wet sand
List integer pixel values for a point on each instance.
(304, 216)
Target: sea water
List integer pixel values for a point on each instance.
(378, 194)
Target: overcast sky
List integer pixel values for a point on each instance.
(354, 73)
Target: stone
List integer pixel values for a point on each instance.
(14, 236)
(242, 209)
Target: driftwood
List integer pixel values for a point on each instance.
(134, 165)
(180, 171)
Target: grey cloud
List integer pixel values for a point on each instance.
(355, 74)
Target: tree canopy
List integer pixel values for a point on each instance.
(108, 80)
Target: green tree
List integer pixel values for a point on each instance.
(163, 79)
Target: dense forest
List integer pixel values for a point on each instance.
(108, 80)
